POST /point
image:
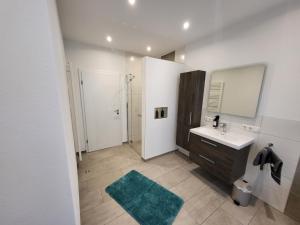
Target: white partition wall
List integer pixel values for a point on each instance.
(38, 173)
(160, 82)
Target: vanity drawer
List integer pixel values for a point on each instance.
(211, 166)
(219, 153)
(203, 161)
(219, 160)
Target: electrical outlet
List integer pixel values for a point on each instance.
(250, 128)
(209, 119)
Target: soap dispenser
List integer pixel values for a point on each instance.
(162, 113)
(156, 114)
(216, 121)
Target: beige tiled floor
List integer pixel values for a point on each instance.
(206, 200)
(136, 146)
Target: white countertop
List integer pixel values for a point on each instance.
(231, 139)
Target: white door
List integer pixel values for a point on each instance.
(101, 98)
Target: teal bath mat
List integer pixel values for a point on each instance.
(146, 201)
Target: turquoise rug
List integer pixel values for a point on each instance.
(146, 201)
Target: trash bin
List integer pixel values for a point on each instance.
(241, 193)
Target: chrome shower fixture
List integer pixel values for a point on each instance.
(130, 77)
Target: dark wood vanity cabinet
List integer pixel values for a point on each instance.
(221, 161)
(190, 100)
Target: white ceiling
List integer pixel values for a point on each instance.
(157, 23)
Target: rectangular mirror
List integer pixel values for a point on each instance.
(236, 91)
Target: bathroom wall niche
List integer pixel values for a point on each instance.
(160, 112)
(236, 91)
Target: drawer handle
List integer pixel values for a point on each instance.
(209, 143)
(207, 159)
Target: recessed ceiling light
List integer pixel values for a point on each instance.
(109, 38)
(186, 25)
(149, 48)
(131, 58)
(182, 57)
(131, 2)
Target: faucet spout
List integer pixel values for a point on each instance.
(223, 126)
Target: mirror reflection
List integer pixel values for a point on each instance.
(236, 91)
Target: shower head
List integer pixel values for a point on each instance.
(130, 77)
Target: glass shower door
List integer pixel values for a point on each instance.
(134, 112)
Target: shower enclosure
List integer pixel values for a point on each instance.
(134, 111)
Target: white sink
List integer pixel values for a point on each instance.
(231, 139)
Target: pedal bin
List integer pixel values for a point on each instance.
(241, 193)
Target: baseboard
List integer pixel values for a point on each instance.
(183, 151)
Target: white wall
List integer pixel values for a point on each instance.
(37, 165)
(92, 58)
(160, 82)
(271, 38)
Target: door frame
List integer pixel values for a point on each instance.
(82, 100)
(72, 107)
(82, 105)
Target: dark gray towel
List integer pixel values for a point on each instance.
(268, 156)
(276, 167)
(262, 158)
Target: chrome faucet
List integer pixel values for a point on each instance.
(223, 126)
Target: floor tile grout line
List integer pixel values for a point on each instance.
(252, 218)
(170, 172)
(115, 218)
(214, 211)
(254, 215)
(94, 176)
